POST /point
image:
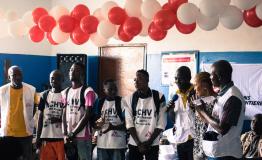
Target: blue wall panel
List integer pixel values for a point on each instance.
(36, 69)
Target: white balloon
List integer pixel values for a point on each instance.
(145, 24)
(223, 4)
(98, 40)
(17, 29)
(11, 16)
(259, 11)
(58, 11)
(98, 14)
(232, 17)
(106, 7)
(106, 29)
(59, 36)
(207, 23)
(245, 4)
(133, 8)
(3, 29)
(210, 7)
(149, 8)
(2, 13)
(28, 19)
(187, 13)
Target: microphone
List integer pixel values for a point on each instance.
(174, 98)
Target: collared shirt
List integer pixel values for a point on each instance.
(185, 95)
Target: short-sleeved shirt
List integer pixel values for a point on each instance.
(74, 112)
(113, 139)
(52, 109)
(146, 119)
(15, 119)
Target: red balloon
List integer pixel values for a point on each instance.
(66, 23)
(50, 38)
(156, 33)
(174, 4)
(250, 17)
(46, 23)
(185, 28)
(132, 26)
(36, 34)
(166, 6)
(165, 19)
(89, 24)
(80, 11)
(38, 13)
(117, 15)
(78, 36)
(123, 36)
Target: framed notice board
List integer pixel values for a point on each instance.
(171, 61)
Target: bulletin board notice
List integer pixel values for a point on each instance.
(171, 61)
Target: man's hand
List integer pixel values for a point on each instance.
(100, 122)
(109, 128)
(38, 143)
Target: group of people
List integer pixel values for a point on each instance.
(207, 124)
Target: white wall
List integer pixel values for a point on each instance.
(23, 45)
(244, 38)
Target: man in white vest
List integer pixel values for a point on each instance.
(17, 101)
(222, 141)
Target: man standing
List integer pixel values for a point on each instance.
(184, 116)
(227, 117)
(79, 100)
(49, 131)
(145, 119)
(17, 101)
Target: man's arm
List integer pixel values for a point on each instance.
(40, 122)
(230, 115)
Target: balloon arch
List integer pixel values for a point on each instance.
(137, 17)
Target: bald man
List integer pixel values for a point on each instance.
(17, 101)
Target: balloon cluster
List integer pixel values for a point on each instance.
(137, 17)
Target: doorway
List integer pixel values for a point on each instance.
(120, 62)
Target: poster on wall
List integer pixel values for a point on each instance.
(248, 78)
(171, 61)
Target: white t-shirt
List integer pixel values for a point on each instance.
(146, 120)
(53, 110)
(113, 139)
(74, 112)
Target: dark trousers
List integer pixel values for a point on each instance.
(185, 150)
(150, 154)
(12, 148)
(225, 158)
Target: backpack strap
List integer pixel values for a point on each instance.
(44, 96)
(100, 105)
(135, 98)
(82, 96)
(156, 100)
(66, 93)
(118, 107)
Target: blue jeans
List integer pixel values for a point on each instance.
(84, 149)
(110, 154)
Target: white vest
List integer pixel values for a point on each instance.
(228, 144)
(184, 121)
(28, 103)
